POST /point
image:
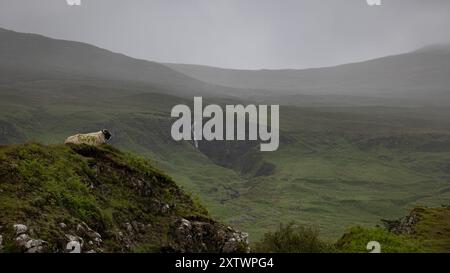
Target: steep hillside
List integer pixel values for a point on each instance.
(53, 198)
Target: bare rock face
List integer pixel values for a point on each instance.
(199, 235)
(236, 241)
(22, 240)
(404, 225)
(72, 238)
(82, 239)
(75, 244)
(84, 230)
(20, 229)
(25, 243)
(35, 246)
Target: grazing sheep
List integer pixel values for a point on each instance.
(93, 139)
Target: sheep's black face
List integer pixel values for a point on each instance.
(107, 134)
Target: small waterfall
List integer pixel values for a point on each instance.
(194, 137)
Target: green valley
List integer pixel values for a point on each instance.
(338, 165)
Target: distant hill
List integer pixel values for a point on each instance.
(28, 57)
(422, 75)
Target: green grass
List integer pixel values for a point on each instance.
(429, 232)
(357, 238)
(336, 167)
(433, 228)
(293, 239)
(42, 186)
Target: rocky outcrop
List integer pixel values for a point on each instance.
(24, 243)
(92, 236)
(78, 238)
(404, 225)
(191, 235)
(197, 234)
(20, 229)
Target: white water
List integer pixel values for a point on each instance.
(194, 136)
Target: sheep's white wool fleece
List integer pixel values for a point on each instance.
(93, 139)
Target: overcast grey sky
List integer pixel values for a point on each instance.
(247, 34)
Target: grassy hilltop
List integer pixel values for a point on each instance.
(104, 199)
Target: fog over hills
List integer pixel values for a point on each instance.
(26, 56)
(422, 75)
(415, 78)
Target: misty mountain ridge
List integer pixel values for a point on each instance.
(416, 78)
(26, 57)
(435, 48)
(421, 75)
